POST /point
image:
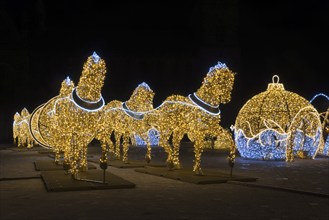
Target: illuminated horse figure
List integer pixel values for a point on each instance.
(72, 118)
(126, 119)
(197, 115)
(66, 90)
(52, 131)
(77, 115)
(21, 133)
(16, 123)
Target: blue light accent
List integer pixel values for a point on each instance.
(145, 85)
(326, 147)
(139, 141)
(153, 136)
(95, 57)
(68, 81)
(319, 94)
(271, 145)
(307, 144)
(14, 120)
(219, 65)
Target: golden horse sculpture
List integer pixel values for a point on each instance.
(16, 128)
(68, 122)
(125, 120)
(197, 115)
(45, 127)
(21, 133)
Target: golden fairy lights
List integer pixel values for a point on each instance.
(277, 124)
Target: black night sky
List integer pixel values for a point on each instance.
(168, 44)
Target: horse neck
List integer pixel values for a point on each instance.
(88, 90)
(204, 93)
(136, 105)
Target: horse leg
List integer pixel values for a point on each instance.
(107, 145)
(117, 137)
(103, 160)
(148, 147)
(125, 146)
(57, 155)
(110, 144)
(66, 162)
(177, 137)
(231, 157)
(29, 143)
(163, 142)
(198, 149)
(19, 142)
(74, 160)
(83, 158)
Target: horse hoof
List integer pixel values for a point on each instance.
(170, 165)
(147, 159)
(177, 166)
(199, 172)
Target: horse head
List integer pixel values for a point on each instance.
(25, 113)
(17, 117)
(66, 87)
(92, 79)
(217, 86)
(142, 98)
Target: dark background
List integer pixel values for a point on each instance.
(169, 44)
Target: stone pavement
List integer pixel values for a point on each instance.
(297, 190)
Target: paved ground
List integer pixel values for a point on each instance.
(297, 190)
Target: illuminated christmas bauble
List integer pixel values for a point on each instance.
(277, 125)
